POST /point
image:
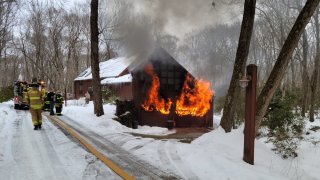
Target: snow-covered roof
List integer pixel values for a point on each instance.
(122, 79)
(110, 68)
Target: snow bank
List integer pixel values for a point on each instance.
(105, 124)
(214, 155)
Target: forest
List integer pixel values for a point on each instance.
(51, 40)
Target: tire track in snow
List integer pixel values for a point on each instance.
(94, 168)
(119, 138)
(169, 157)
(165, 160)
(33, 152)
(130, 163)
(110, 136)
(176, 159)
(124, 140)
(3, 123)
(6, 137)
(135, 148)
(115, 138)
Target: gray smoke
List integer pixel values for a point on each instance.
(169, 23)
(179, 17)
(148, 21)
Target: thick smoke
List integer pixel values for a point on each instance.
(179, 17)
(169, 23)
(149, 20)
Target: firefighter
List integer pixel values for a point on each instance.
(44, 95)
(25, 94)
(46, 103)
(43, 89)
(58, 103)
(34, 97)
(50, 101)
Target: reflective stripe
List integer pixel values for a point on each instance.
(36, 106)
(34, 98)
(59, 99)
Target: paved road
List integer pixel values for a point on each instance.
(28, 154)
(130, 163)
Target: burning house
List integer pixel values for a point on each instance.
(159, 90)
(166, 94)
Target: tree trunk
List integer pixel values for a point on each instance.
(305, 78)
(97, 95)
(314, 77)
(293, 77)
(108, 49)
(239, 65)
(283, 60)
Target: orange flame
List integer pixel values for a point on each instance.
(153, 101)
(194, 101)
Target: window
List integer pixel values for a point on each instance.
(164, 73)
(170, 77)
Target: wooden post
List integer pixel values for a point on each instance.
(250, 115)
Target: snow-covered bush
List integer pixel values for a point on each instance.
(286, 139)
(280, 109)
(285, 129)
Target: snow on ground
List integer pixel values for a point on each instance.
(214, 155)
(81, 112)
(45, 154)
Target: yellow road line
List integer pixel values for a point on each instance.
(93, 150)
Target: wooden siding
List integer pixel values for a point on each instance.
(121, 90)
(172, 76)
(81, 87)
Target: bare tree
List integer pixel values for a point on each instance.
(315, 74)
(239, 65)
(283, 60)
(109, 21)
(7, 16)
(37, 38)
(85, 29)
(97, 95)
(56, 24)
(305, 77)
(73, 48)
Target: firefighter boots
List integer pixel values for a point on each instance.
(37, 127)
